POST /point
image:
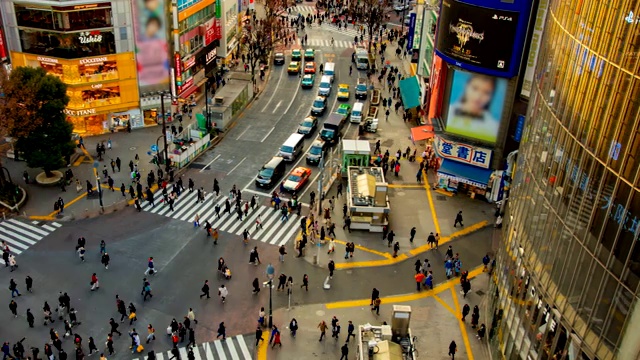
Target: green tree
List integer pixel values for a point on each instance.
(31, 111)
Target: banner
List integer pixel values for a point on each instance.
(412, 30)
(536, 38)
(152, 58)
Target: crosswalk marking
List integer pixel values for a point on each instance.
(236, 349)
(302, 8)
(274, 231)
(326, 43)
(20, 235)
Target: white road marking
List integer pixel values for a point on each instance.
(267, 135)
(245, 130)
(274, 92)
(277, 106)
(215, 158)
(235, 167)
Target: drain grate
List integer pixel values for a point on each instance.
(480, 293)
(441, 198)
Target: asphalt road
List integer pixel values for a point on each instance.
(185, 257)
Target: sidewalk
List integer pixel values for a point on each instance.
(435, 321)
(413, 204)
(125, 146)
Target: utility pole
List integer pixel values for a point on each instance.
(164, 130)
(320, 197)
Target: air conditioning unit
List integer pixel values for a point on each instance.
(218, 100)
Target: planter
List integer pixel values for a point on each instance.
(42, 178)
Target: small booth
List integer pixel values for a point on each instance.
(367, 199)
(355, 153)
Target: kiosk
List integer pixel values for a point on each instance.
(367, 199)
(355, 153)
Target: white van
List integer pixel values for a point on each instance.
(325, 86)
(356, 112)
(330, 70)
(292, 147)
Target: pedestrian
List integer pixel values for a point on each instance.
(81, 251)
(13, 287)
(150, 267)
(386, 114)
(458, 219)
(335, 328)
(110, 343)
(347, 223)
(465, 311)
(475, 316)
(222, 331)
(94, 282)
(105, 260)
(192, 316)
(205, 290)
(283, 251)
(151, 333)
(305, 282)
(223, 293)
(485, 262)
(132, 314)
(192, 337)
(376, 305)
(13, 306)
(396, 248)
(339, 189)
(12, 262)
(481, 332)
(419, 279)
(256, 286)
(276, 338)
(345, 351)
(259, 335)
(332, 267)
(293, 326)
(92, 346)
(453, 348)
(412, 234)
(323, 329)
(30, 318)
(390, 236)
(350, 329)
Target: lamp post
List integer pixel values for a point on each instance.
(207, 115)
(270, 273)
(164, 128)
(320, 198)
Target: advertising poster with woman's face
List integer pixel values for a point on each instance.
(151, 42)
(475, 106)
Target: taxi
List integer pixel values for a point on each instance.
(309, 54)
(307, 81)
(297, 179)
(319, 105)
(308, 126)
(343, 92)
(310, 68)
(344, 110)
(296, 55)
(294, 67)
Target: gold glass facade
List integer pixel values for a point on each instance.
(98, 87)
(569, 269)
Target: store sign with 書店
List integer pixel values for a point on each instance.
(463, 153)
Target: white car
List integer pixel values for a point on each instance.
(401, 7)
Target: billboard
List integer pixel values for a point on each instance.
(475, 106)
(536, 39)
(150, 28)
(481, 37)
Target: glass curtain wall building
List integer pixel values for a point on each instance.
(568, 271)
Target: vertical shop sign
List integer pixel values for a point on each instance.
(3, 50)
(412, 30)
(519, 128)
(209, 31)
(218, 9)
(178, 66)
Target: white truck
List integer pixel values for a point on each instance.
(362, 58)
(388, 342)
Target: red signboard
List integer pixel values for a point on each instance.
(3, 50)
(209, 31)
(187, 64)
(178, 65)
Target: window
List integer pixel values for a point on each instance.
(123, 33)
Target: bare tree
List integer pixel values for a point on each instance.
(370, 13)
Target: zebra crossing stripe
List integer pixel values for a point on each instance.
(208, 353)
(17, 236)
(220, 350)
(24, 232)
(288, 236)
(196, 353)
(232, 349)
(31, 227)
(159, 356)
(276, 237)
(266, 225)
(252, 218)
(243, 347)
(183, 353)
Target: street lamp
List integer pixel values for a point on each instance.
(270, 273)
(320, 197)
(164, 128)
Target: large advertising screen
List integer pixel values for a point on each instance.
(150, 29)
(476, 102)
(476, 35)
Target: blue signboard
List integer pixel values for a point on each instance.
(154, 148)
(412, 30)
(483, 36)
(519, 128)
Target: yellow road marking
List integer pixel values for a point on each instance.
(42, 218)
(405, 186)
(379, 253)
(66, 205)
(372, 263)
(446, 239)
(445, 305)
(79, 160)
(463, 327)
(444, 192)
(406, 297)
(425, 180)
(261, 353)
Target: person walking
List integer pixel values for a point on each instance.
(151, 333)
(282, 251)
(390, 236)
(419, 279)
(293, 326)
(13, 287)
(94, 282)
(305, 282)
(347, 223)
(376, 305)
(475, 316)
(323, 329)
(150, 267)
(412, 234)
(223, 293)
(453, 348)
(344, 351)
(222, 331)
(30, 318)
(92, 346)
(205, 290)
(276, 338)
(13, 306)
(465, 311)
(192, 316)
(105, 260)
(81, 251)
(350, 331)
(396, 248)
(332, 267)
(258, 335)
(458, 219)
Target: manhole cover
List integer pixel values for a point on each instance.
(441, 198)
(400, 193)
(349, 272)
(133, 148)
(480, 293)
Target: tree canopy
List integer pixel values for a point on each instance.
(32, 112)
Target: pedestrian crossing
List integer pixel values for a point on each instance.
(303, 9)
(274, 231)
(326, 43)
(233, 348)
(349, 31)
(20, 235)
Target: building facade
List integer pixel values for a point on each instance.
(89, 46)
(567, 279)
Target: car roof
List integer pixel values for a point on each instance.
(308, 50)
(300, 170)
(321, 98)
(293, 63)
(344, 106)
(274, 162)
(279, 54)
(310, 117)
(307, 76)
(318, 142)
(295, 50)
(344, 85)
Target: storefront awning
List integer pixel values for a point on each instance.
(421, 133)
(410, 92)
(464, 173)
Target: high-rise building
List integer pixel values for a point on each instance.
(566, 284)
